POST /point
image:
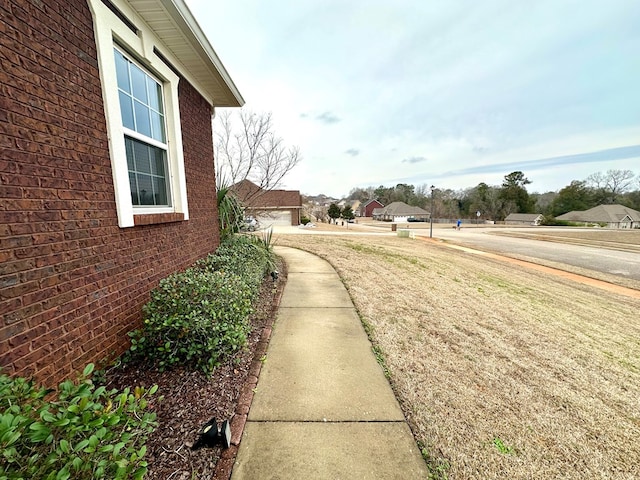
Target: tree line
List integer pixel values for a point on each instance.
(496, 202)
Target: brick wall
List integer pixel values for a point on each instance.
(72, 283)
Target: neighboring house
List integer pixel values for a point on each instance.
(107, 174)
(524, 219)
(269, 207)
(613, 216)
(400, 212)
(367, 209)
(355, 207)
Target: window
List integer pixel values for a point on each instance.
(140, 93)
(142, 111)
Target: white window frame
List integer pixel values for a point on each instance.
(111, 32)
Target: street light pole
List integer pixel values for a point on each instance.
(433, 189)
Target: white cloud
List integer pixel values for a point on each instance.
(460, 83)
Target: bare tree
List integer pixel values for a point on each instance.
(618, 182)
(612, 184)
(596, 180)
(247, 148)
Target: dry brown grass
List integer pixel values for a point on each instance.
(483, 353)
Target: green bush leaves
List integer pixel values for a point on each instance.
(200, 316)
(84, 433)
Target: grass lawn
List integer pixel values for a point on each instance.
(502, 372)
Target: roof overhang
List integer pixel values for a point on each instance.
(176, 27)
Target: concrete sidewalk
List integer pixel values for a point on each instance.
(323, 408)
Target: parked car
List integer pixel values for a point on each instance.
(250, 225)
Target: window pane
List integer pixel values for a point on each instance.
(143, 122)
(131, 161)
(147, 173)
(139, 83)
(155, 94)
(157, 124)
(157, 162)
(122, 72)
(145, 189)
(126, 109)
(141, 157)
(133, 184)
(160, 189)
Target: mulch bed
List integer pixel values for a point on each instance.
(186, 400)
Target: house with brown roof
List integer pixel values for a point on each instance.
(107, 171)
(611, 216)
(269, 207)
(400, 212)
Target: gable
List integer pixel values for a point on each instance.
(375, 203)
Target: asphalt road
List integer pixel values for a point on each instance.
(600, 259)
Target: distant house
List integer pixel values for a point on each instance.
(524, 219)
(269, 207)
(400, 212)
(367, 209)
(355, 207)
(613, 216)
(107, 171)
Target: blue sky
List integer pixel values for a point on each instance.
(450, 93)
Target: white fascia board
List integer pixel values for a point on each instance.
(186, 22)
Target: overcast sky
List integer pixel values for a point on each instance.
(449, 93)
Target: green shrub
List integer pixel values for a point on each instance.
(85, 433)
(553, 222)
(245, 259)
(200, 316)
(304, 220)
(194, 318)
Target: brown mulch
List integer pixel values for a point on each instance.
(186, 400)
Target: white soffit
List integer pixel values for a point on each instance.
(175, 26)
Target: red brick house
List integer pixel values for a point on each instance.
(269, 207)
(367, 209)
(107, 179)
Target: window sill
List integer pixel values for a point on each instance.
(156, 218)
